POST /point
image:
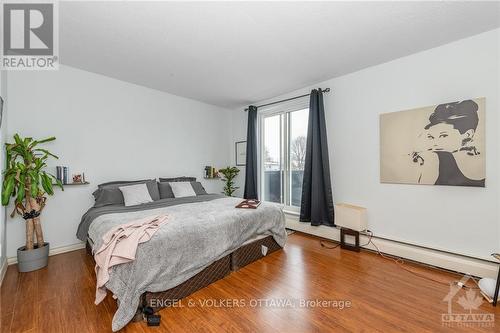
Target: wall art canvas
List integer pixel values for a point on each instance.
(241, 153)
(436, 145)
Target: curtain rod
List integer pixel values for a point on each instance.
(288, 99)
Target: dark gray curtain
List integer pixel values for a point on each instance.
(317, 199)
(251, 164)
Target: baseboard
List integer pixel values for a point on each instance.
(3, 270)
(54, 251)
(449, 261)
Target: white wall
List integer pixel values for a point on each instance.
(496, 129)
(462, 220)
(111, 130)
(3, 243)
(238, 133)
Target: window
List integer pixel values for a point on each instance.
(283, 132)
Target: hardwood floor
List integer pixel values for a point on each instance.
(384, 297)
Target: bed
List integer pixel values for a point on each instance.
(204, 239)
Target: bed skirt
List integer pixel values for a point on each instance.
(254, 251)
(216, 271)
(219, 269)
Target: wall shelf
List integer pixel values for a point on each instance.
(73, 184)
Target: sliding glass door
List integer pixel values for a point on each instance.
(298, 121)
(282, 156)
(272, 159)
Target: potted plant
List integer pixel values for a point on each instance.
(229, 174)
(26, 180)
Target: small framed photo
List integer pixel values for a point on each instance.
(241, 153)
(78, 178)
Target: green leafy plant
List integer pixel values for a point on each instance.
(26, 180)
(229, 174)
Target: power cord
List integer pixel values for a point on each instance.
(401, 263)
(322, 243)
(370, 235)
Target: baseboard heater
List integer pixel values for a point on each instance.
(437, 258)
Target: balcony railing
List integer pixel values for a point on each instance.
(272, 187)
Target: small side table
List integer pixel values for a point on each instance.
(348, 232)
(495, 296)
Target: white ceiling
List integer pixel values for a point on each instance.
(234, 53)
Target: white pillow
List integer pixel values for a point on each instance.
(135, 194)
(182, 189)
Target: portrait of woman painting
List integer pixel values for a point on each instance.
(436, 145)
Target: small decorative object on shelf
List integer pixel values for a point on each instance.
(62, 173)
(79, 178)
(76, 179)
(211, 172)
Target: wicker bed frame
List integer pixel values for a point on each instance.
(219, 269)
(254, 251)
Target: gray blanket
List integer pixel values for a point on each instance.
(196, 235)
(94, 213)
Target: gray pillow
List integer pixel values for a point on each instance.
(122, 182)
(166, 189)
(110, 194)
(178, 179)
(198, 188)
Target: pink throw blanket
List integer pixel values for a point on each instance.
(119, 247)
